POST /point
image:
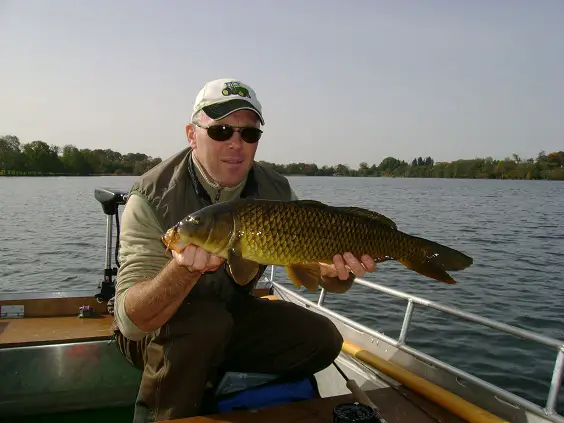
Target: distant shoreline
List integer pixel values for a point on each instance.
(37, 158)
(53, 175)
(292, 175)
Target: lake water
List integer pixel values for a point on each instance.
(53, 237)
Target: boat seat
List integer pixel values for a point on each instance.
(28, 331)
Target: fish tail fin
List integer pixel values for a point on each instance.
(437, 261)
(430, 269)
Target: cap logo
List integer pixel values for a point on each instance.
(235, 88)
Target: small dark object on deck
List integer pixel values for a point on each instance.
(354, 412)
(85, 311)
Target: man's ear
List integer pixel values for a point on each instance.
(191, 135)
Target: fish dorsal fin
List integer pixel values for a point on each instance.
(310, 202)
(354, 210)
(370, 214)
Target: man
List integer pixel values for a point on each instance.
(180, 317)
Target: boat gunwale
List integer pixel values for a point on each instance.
(48, 295)
(503, 396)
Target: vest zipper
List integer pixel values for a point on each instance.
(218, 194)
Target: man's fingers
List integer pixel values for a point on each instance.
(186, 257)
(200, 259)
(196, 259)
(368, 263)
(339, 262)
(355, 265)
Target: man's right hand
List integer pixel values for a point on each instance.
(197, 260)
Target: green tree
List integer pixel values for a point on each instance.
(10, 154)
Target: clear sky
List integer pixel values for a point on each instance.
(339, 81)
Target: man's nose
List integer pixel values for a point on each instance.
(235, 141)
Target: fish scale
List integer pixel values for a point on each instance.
(290, 234)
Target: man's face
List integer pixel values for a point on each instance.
(227, 162)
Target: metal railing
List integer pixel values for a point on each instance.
(556, 381)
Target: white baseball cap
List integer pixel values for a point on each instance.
(221, 97)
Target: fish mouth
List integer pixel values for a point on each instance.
(170, 240)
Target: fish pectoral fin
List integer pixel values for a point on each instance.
(308, 275)
(371, 215)
(430, 268)
(242, 270)
(337, 285)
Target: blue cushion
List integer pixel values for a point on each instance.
(268, 395)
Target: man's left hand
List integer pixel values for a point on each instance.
(342, 264)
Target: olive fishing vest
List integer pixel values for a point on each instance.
(173, 191)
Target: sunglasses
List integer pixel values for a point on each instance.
(224, 132)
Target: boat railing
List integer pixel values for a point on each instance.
(400, 342)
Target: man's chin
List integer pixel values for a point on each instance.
(233, 173)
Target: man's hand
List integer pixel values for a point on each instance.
(342, 264)
(197, 260)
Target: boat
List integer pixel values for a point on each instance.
(59, 362)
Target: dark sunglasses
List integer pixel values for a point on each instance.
(224, 132)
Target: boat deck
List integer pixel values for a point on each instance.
(393, 407)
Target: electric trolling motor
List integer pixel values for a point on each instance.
(110, 199)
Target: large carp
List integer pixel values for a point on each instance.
(303, 233)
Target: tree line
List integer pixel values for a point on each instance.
(544, 166)
(39, 158)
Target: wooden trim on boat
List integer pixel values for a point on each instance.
(261, 292)
(270, 297)
(70, 306)
(458, 406)
(29, 331)
(51, 307)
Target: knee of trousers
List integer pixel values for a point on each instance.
(328, 340)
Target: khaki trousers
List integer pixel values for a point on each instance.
(206, 338)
